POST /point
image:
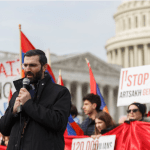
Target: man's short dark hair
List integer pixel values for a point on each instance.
(40, 53)
(93, 99)
(73, 110)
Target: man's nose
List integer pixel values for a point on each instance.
(28, 68)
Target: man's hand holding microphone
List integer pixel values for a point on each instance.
(23, 96)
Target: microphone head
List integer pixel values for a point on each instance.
(26, 81)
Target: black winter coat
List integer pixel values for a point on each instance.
(88, 126)
(46, 115)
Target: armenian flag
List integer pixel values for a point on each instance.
(95, 89)
(26, 45)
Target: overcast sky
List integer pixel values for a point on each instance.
(64, 27)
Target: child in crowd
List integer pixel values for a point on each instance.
(103, 124)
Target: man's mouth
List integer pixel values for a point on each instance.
(29, 75)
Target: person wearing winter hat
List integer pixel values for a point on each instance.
(136, 111)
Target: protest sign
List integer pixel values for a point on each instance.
(134, 85)
(103, 143)
(9, 71)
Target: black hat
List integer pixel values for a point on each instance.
(142, 107)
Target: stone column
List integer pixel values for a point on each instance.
(88, 88)
(140, 56)
(117, 30)
(135, 55)
(145, 54)
(131, 58)
(140, 20)
(111, 102)
(114, 57)
(79, 103)
(148, 19)
(119, 56)
(126, 57)
(68, 85)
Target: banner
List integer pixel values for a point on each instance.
(103, 143)
(134, 85)
(9, 71)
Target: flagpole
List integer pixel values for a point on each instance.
(86, 60)
(49, 57)
(20, 52)
(59, 72)
(59, 80)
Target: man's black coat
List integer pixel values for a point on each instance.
(46, 115)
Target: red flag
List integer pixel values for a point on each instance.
(25, 46)
(92, 79)
(133, 136)
(49, 70)
(10, 95)
(3, 147)
(95, 89)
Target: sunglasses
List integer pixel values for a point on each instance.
(133, 110)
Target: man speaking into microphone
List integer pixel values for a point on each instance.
(37, 115)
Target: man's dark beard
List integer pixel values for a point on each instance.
(35, 78)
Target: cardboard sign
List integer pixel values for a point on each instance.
(9, 71)
(103, 143)
(134, 85)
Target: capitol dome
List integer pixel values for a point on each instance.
(131, 45)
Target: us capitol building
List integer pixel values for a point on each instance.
(130, 46)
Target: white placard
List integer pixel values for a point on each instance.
(103, 143)
(134, 85)
(9, 71)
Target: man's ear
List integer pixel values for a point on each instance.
(44, 67)
(94, 105)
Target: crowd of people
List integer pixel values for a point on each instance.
(37, 116)
(99, 122)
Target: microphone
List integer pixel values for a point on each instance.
(26, 84)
